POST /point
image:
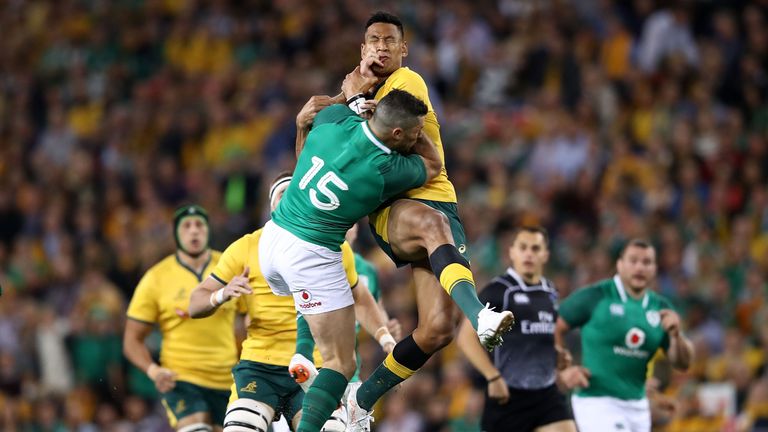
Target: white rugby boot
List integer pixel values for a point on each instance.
(358, 419)
(491, 325)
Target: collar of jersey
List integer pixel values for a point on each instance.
(524, 286)
(623, 293)
(375, 140)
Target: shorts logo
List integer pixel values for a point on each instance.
(305, 295)
(521, 298)
(249, 388)
(180, 406)
(635, 337)
(462, 248)
(653, 318)
(306, 300)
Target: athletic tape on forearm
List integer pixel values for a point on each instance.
(384, 337)
(217, 298)
(355, 103)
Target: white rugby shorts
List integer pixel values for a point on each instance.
(609, 414)
(313, 274)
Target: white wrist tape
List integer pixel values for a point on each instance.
(217, 298)
(355, 103)
(384, 337)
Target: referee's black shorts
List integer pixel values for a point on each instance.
(526, 410)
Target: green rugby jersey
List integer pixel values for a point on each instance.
(619, 336)
(343, 173)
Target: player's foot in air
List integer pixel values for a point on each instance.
(302, 371)
(491, 325)
(358, 419)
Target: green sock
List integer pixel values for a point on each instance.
(305, 343)
(452, 270)
(321, 399)
(465, 295)
(398, 366)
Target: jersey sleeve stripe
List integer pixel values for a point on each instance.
(222, 281)
(141, 320)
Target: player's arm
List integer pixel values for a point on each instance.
(136, 352)
(371, 318)
(307, 115)
(211, 293)
(680, 349)
(427, 150)
(469, 344)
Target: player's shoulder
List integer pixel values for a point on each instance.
(215, 255)
(168, 264)
(659, 300)
(407, 74)
(503, 282)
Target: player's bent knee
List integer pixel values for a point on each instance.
(196, 427)
(433, 223)
(247, 415)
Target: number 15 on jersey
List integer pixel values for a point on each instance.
(322, 185)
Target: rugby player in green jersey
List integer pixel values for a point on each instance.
(623, 322)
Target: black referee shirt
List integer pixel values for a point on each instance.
(527, 358)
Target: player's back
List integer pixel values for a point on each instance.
(343, 173)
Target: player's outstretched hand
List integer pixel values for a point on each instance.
(498, 391)
(356, 83)
(574, 376)
(164, 378)
(238, 285)
(670, 321)
(395, 328)
(310, 109)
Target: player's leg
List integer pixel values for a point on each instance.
(437, 320)
(302, 366)
(197, 422)
(334, 333)
(416, 231)
(186, 408)
(217, 401)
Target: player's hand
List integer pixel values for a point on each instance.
(238, 285)
(670, 322)
(356, 83)
(574, 376)
(498, 391)
(564, 358)
(366, 64)
(368, 106)
(164, 378)
(310, 109)
(395, 328)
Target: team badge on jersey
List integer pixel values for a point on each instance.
(521, 298)
(653, 318)
(617, 309)
(634, 338)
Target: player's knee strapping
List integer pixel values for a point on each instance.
(246, 415)
(196, 427)
(452, 270)
(449, 267)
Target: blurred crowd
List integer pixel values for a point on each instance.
(600, 120)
